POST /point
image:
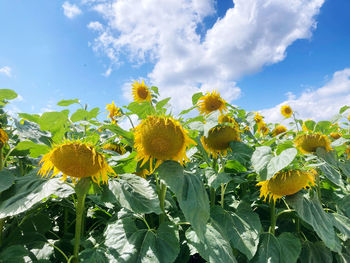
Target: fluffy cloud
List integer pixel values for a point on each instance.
(70, 10)
(317, 104)
(251, 35)
(6, 70)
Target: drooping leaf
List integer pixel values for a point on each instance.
(6, 179)
(260, 159)
(290, 247)
(67, 102)
(281, 161)
(196, 97)
(240, 152)
(315, 253)
(269, 250)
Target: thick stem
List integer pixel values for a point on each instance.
(223, 189)
(162, 194)
(2, 223)
(296, 123)
(212, 196)
(273, 217)
(78, 224)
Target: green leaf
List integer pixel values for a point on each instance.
(53, 120)
(7, 94)
(310, 210)
(281, 161)
(93, 113)
(93, 255)
(129, 136)
(330, 168)
(190, 193)
(240, 152)
(269, 250)
(315, 253)
(13, 254)
(323, 126)
(28, 191)
(142, 110)
(216, 180)
(30, 117)
(155, 90)
(135, 194)
(79, 115)
(160, 105)
(234, 166)
(343, 109)
(196, 97)
(6, 179)
(241, 228)
(35, 149)
(67, 102)
(260, 159)
(310, 124)
(290, 247)
(127, 243)
(342, 223)
(213, 247)
(188, 110)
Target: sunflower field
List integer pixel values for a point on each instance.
(214, 183)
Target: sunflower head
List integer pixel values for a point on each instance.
(210, 103)
(263, 128)
(258, 118)
(335, 135)
(286, 111)
(115, 147)
(141, 92)
(77, 160)
(113, 111)
(278, 130)
(161, 138)
(3, 137)
(219, 138)
(308, 143)
(286, 183)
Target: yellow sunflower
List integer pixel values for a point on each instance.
(262, 128)
(161, 138)
(278, 130)
(286, 183)
(113, 111)
(220, 136)
(258, 118)
(77, 160)
(3, 137)
(307, 143)
(210, 103)
(335, 135)
(141, 92)
(118, 148)
(286, 111)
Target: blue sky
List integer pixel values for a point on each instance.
(253, 54)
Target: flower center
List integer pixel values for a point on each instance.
(142, 92)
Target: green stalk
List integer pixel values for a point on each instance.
(1, 159)
(161, 196)
(296, 123)
(2, 223)
(212, 196)
(273, 217)
(223, 189)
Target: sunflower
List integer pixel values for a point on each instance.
(307, 143)
(77, 160)
(113, 111)
(262, 128)
(115, 147)
(286, 111)
(258, 118)
(161, 138)
(278, 130)
(210, 103)
(140, 92)
(335, 135)
(219, 138)
(3, 137)
(286, 183)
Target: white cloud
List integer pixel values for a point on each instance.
(6, 70)
(70, 10)
(317, 104)
(95, 25)
(251, 35)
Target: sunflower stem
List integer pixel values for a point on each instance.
(132, 124)
(161, 195)
(1, 159)
(296, 123)
(81, 190)
(2, 223)
(273, 217)
(223, 189)
(212, 196)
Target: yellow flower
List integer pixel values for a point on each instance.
(286, 111)
(307, 143)
(286, 183)
(113, 111)
(3, 137)
(349, 117)
(114, 147)
(262, 128)
(258, 118)
(77, 160)
(210, 103)
(278, 130)
(219, 138)
(335, 135)
(161, 138)
(140, 92)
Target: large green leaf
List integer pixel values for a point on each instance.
(281, 161)
(93, 255)
(260, 159)
(28, 191)
(190, 193)
(51, 121)
(67, 102)
(240, 152)
(330, 168)
(13, 254)
(30, 117)
(310, 210)
(6, 179)
(290, 247)
(342, 223)
(135, 194)
(35, 149)
(213, 246)
(241, 228)
(142, 110)
(121, 132)
(269, 250)
(7, 94)
(315, 253)
(127, 243)
(160, 105)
